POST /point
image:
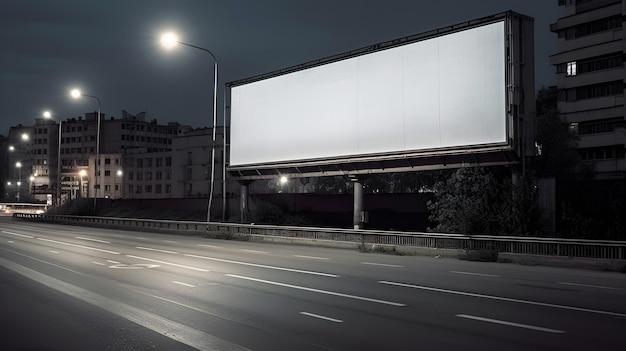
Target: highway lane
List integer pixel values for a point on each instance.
(211, 294)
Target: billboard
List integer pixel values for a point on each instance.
(441, 93)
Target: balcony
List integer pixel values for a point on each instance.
(591, 104)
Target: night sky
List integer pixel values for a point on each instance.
(111, 48)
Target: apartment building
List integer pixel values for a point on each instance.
(137, 160)
(590, 80)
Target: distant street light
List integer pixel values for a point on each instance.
(82, 173)
(18, 165)
(48, 114)
(76, 94)
(168, 41)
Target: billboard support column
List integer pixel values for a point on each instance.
(243, 203)
(358, 217)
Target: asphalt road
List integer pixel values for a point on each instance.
(79, 288)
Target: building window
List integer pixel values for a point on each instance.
(107, 161)
(107, 188)
(107, 173)
(139, 176)
(157, 189)
(571, 68)
(148, 175)
(168, 162)
(168, 188)
(130, 176)
(148, 188)
(159, 175)
(131, 189)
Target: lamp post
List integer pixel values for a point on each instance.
(18, 165)
(82, 173)
(169, 40)
(48, 114)
(76, 94)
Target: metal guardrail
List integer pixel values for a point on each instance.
(605, 249)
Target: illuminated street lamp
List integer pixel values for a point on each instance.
(76, 94)
(49, 115)
(82, 173)
(18, 165)
(168, 41)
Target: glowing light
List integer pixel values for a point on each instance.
(169, 40)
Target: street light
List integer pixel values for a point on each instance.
(48, 114)
(82, 173)
(76, 94)
(169, 40)
(18, 165)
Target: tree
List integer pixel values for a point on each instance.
(473, 200)
(556, 142)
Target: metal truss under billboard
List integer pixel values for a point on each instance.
(439, 99)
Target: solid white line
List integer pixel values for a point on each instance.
(212, 246)
(99, 263)
(169, 263)
(158, 250)
(526, 326)
(11, 242)
(322, 317)
(312, 257)
(54, 252)
(176, 331)
(96, 240)
(317, 290)
(16, 234)
(185, 284)
(263, 266)
(592, 286)
(79, 246)
(478, 274)
(504, 299)
(382, 264)
(254, 251)
(114, 262)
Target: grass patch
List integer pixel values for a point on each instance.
(383, 249)
(225, 235)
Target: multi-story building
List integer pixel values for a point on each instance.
(136, 160)
(590, 80)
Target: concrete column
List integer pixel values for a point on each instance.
(358, 202)
(243, 203)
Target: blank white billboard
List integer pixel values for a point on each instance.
(446, 92)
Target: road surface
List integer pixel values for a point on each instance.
(78, 288)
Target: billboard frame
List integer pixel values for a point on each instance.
(519, 126)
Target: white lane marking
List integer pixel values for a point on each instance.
(114, 262)
(321, 317)
(79, 246)
(580, 309)
(99, 263)
(512, 324)
(592, 286)
(170, 241)
(381, 264)
(158, 250)
(16, 234)
(96, 240)
(312, 257)
(11, 242)
(184, 284)
(211, 246)
(169, 263)
(263, 266)
(54, 252)
(133, 266)
(176, 331)
(317, 290)
(478, 274)
(254, 251)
